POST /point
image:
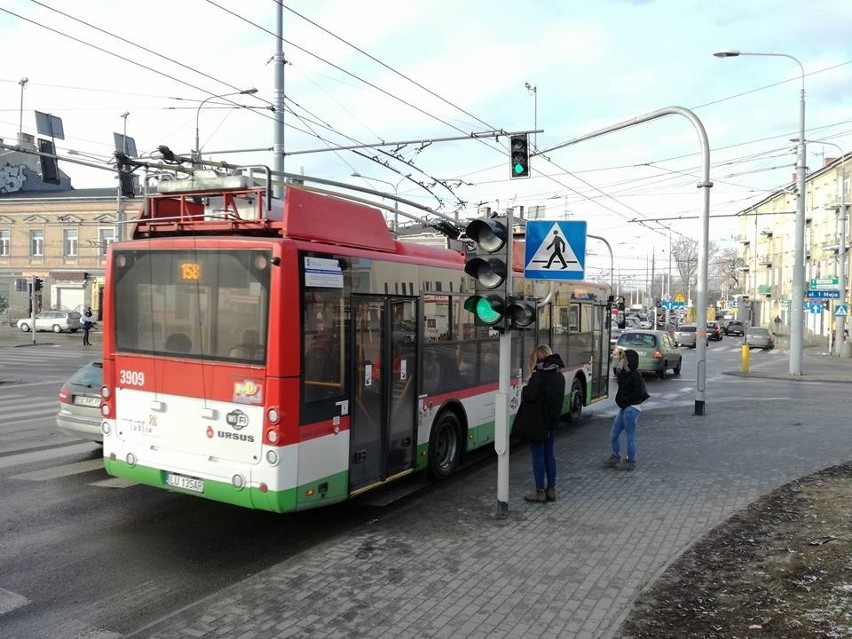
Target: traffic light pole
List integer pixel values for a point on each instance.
(501, 400)
(33, 306)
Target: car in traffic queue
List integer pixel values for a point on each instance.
(687, 335)
(56, 321)
(735, 327)
(614, 334)
(79, 413)
(757, 337)
(656, 349)
(714, 331)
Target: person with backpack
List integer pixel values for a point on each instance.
(631, 393)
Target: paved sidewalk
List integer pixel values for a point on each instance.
(443, 566)
(817, 366)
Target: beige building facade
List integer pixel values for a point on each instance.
(52, 233)
(767, 248)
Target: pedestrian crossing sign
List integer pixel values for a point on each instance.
(555, 250)
(840, 310)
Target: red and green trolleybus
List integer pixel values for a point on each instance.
(288, 353)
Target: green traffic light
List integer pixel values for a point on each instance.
(486, 313)
(519, 168)
(488, 310)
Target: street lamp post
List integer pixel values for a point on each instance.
(197, 153)
(534, 90)
(798, 294)
(23, 83)
(395, 188)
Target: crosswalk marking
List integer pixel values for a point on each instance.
(62, 471)
(114, 482)
(46, 455)
(11, 600)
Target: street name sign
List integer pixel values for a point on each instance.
(823, 295)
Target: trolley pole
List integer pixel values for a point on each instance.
(501, 399)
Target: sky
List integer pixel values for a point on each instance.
(411, 74)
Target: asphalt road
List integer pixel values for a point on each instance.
(84, 554)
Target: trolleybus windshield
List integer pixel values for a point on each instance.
(203, 304)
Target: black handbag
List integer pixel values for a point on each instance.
(530, 422)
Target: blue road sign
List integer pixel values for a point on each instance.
(840, 310)
(555, 250)
(823, 295)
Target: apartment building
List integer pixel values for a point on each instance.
(766, 250)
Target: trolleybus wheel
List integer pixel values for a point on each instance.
(444, 446)
(575, 401)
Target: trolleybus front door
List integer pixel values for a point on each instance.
(384, 407)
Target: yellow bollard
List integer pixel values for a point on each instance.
(746, 354)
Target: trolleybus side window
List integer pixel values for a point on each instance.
(200, 304)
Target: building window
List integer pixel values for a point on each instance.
(4, 243)
(69, 242)
(105, 238)
(36, 243)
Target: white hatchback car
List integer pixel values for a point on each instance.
(56, 321)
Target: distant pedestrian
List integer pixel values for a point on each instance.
(538, 417)
(87, 326)
(631, 393)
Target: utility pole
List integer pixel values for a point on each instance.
(278, 144)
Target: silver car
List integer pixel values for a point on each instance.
(757, 337)
(56, 321)
(686, 335)
(80, 403)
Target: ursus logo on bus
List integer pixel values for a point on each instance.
(248, 392)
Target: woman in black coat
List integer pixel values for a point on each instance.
(538, 417)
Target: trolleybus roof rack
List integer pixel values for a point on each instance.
(242, 201)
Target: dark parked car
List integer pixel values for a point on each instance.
(80, 403)
(735, 327)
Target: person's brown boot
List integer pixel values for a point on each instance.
(550, 494)
(536, 496)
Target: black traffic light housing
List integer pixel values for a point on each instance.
(520, 314)
(38, 283)
(488, 264)
(519, 154)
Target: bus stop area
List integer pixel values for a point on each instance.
(443, 565)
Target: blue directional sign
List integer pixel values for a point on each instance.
(823, 295)
(555, 250)
(671, 305)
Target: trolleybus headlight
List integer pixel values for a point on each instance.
(271, 457)
(105, 392)
(105, 428)
(131, 459)
(272, 415)
(105, 410)
(238, 481)
(272, 436)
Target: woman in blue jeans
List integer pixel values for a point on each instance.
(631, 393)
(547, 387)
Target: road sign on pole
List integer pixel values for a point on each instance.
(555, 250)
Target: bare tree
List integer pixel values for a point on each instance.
(724, 273)
(685, 256)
